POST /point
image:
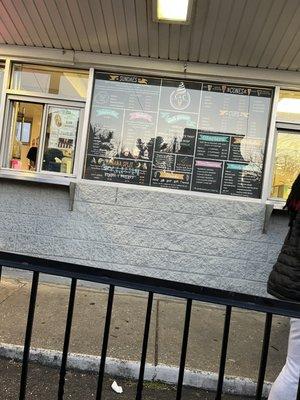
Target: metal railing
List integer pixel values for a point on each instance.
(190, 293)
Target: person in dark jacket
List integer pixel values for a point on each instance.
(284, 283)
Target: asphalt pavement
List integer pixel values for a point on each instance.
(125, 341)
(43, 384)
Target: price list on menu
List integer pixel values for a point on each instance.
(178, 134)
(235, 110)
(122, 128)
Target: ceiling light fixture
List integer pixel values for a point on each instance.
(172, 11)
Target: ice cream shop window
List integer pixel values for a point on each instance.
(287, 144)
(43, 117)
(287, 163)
(41, 137)
(178, 134)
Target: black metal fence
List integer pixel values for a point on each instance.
(151, 286)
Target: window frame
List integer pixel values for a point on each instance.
(44, 94)
(287, 127)
(42, 98)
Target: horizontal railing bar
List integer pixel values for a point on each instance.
(147, 284)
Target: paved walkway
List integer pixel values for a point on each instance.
(128, 323)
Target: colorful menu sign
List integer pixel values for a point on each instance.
(62, 127)
(178, 134)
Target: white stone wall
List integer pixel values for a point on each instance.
(190, 238)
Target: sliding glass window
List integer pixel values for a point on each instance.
(287, 144)
(287, 163)
(42, 131)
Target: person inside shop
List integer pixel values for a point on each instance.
(52, 160)
(32, 154)
(284, 283)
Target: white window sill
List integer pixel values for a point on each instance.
(37, 177)
(278, 204)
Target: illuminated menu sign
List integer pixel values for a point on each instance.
(178, 134)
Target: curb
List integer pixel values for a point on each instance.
(130, 369)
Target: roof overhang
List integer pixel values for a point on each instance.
(130, 64)
(261, 34)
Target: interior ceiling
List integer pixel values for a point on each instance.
(255, 33)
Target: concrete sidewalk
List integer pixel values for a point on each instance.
(128, 324)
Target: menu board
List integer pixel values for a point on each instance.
(178, 134)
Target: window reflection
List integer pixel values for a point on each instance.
(178, 134)
(288, 109)
(25, 135)
(61, 81)
(287, 164)
(61, 135)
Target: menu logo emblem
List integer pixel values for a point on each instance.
(113, 77)
(180, 98)
(143, 81)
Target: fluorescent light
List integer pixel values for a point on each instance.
(291, 106)
(172, 11)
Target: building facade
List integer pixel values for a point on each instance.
(172, 169)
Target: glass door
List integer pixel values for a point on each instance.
(287, 163)
(60, 139)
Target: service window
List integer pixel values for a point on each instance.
(288, 109)
(42, 137)
(287, 144)
(23, 141)
(42, 133)
(178, 134)
(287, 163)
